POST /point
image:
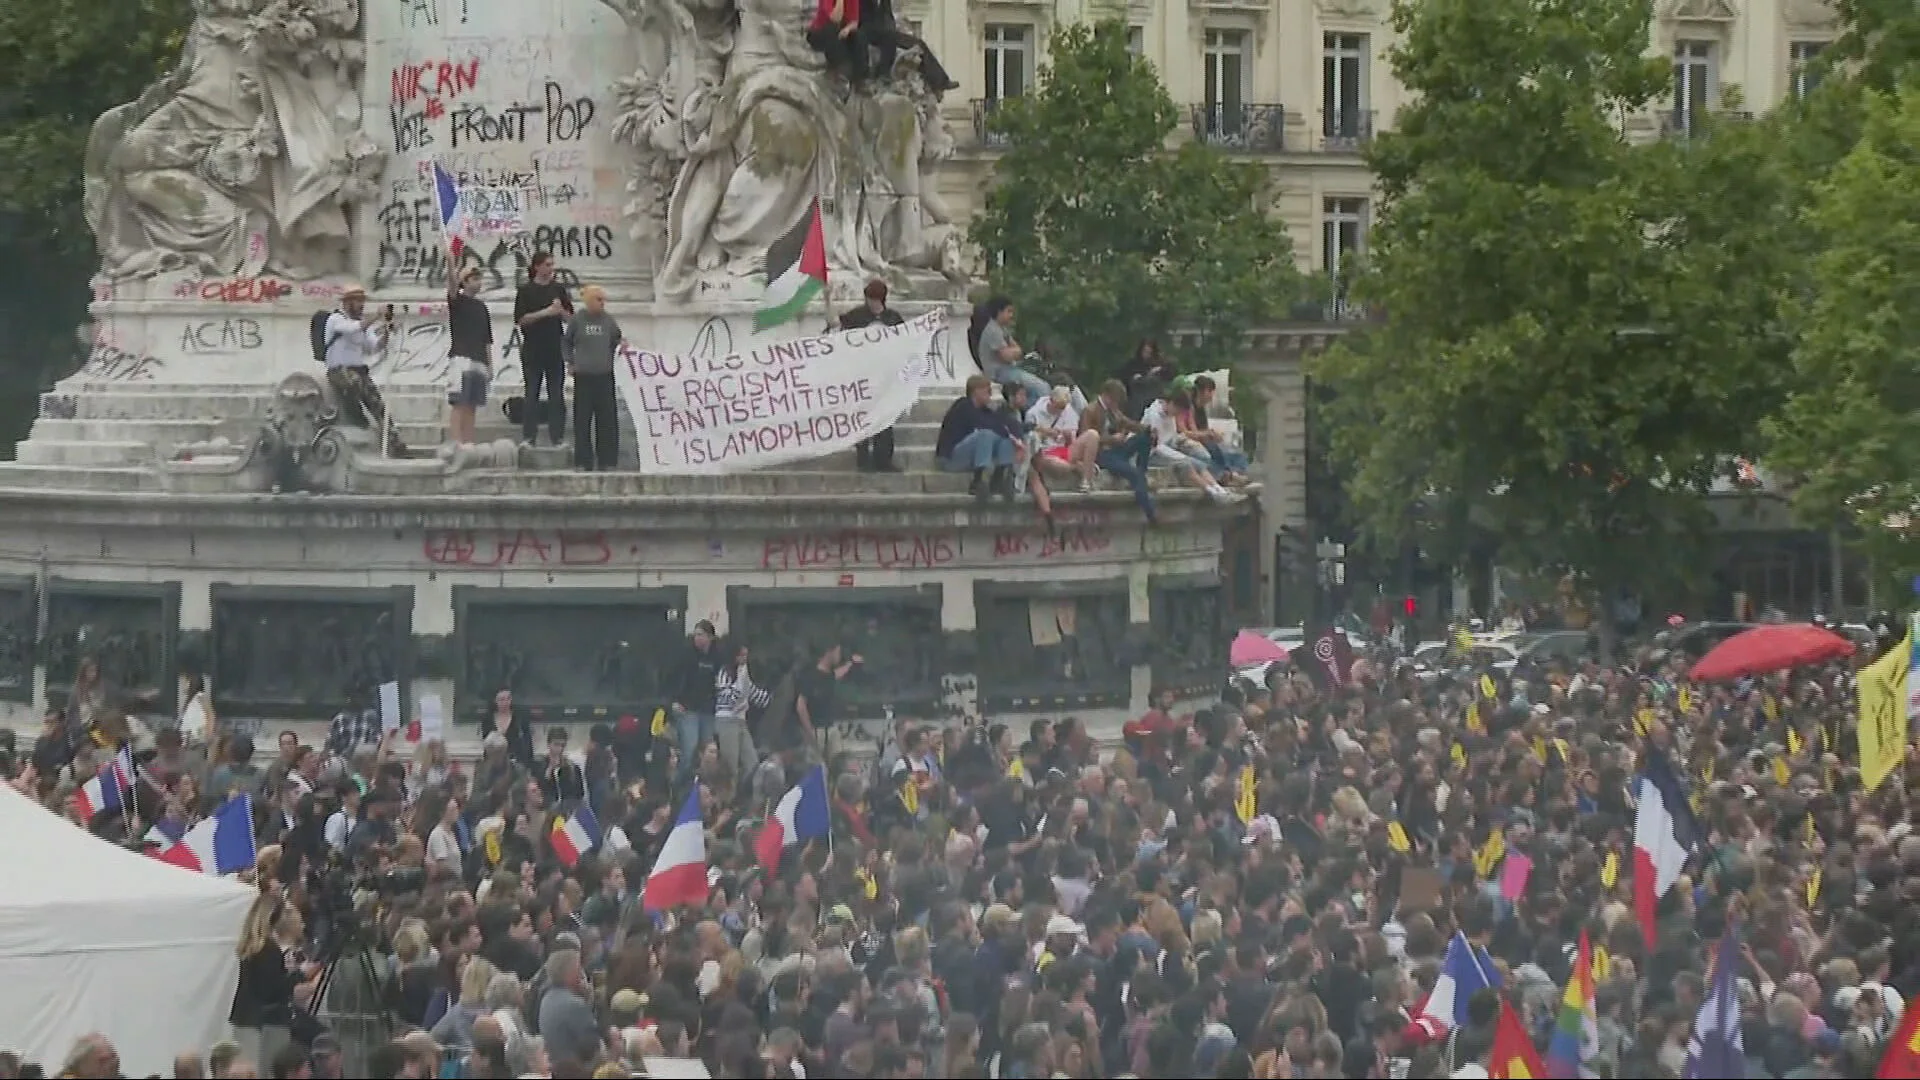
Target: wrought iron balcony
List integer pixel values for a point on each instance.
(1252, 129)
(1346, 132)
(983, 109)
(1690, 124)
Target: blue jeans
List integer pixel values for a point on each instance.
(1224, 460)
(1129, 462)
(1015, 375)
(982, 449)
(690, 730)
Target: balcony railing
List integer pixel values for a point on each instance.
(983, 109)
(1690, 124)
(1346, 132)
(1253, 129)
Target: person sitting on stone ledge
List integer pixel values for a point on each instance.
(1013, 409)
(883, 31)
(974, 438)
(836, 34)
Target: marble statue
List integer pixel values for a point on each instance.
(246, 156)
(736, 124)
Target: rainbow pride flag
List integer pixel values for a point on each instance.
(1576, 1034)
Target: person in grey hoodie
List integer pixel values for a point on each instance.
(591, 341)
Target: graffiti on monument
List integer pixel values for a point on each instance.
(299, 657)
(899, 640)
(564, 657)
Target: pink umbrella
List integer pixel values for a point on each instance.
(1250, 648)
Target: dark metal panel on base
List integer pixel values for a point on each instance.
(130, 628)
(895, 629)
(19, 629)
(1188, 622)
(569, 654)
(1088, 666)
(298, 653)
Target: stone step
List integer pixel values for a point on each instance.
(162, 436)
(213, 404)
(572, 484)
(70, 478)
(91, 453)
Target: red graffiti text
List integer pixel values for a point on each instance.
(519, 548)
(858, 550)
(434, 79)
(1036, 545)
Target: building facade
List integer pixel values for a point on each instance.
(1303, 85)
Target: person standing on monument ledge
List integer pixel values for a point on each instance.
(874, 454)
(592, 338)
(470, 337)
(352, 341)
(540, 309)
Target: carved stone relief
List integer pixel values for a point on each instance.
(1045, 652)
(1189, 647)
(298, 653)
(128, 633)
(1813, 14)
(18, 628)
(247, 156)
(567, 655)
(897, 633)
(736, 125)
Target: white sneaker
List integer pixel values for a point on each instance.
(1223, 496)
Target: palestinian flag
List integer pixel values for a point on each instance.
(796, 271)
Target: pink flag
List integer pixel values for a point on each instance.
(1513, 875)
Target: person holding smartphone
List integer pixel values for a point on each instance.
(354, 340)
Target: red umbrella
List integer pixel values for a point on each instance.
(1770, 648)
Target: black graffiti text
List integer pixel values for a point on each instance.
(567, 117)
(479, 124)
(575, 241)
(412, 129)
(221, 336)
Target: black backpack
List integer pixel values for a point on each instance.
(317, 336)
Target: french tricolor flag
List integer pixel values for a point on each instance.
(1664, 835)
(679, 875)
(220, 844)
(108, 792)
(446, 203)
(574, 836)
(801, 815)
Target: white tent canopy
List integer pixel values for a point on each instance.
(94, 937)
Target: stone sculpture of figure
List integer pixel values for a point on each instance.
(245, 157)
(735, 135)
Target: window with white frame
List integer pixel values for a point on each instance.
(1009, 59)
(1693, 78)
(1343, 86)
(1226, 71)
(1137, 40)
(1343, 238)
(1804, 71)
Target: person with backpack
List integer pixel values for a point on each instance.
(347, 341)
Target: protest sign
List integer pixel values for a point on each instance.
(777, 402)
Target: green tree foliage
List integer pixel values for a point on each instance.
(1580, 331)
(1103, 236)
(62, 63)
(1849, 433)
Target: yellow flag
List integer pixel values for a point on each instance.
(868, 887)
(1566, 752)
(1781, 774)
(1474, 723)
(1601, 964)
(1017, 769)
(1487, 859)
(1397, 838)
(659, 723)
(1686, 699)
(491, 846)
(1245, 800)
(1883, 714)
(1487, 688)
(1643, 722)
(1813, 887)
(1517, 1069)
(1770, 708)
(1813, 831)
(1610, 870)
(1459, 755)
(910, 795)
(1463, 640)
(1540, 748)
(1794, 743)
(1826, 739)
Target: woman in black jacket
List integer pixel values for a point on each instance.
(512, 726)
(263, 1001)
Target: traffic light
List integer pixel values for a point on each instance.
(1410, 606)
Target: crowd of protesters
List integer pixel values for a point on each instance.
(1026, 903)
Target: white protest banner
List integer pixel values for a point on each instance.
(782, 401)
(490, 211)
